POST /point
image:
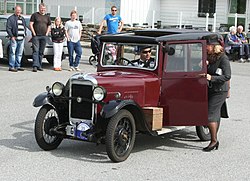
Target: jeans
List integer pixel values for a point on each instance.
(16, 53)
(39, 44)
(243, 50)
(74, 46)
(58, 49)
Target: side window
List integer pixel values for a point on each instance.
(184, 58)
(3, 22)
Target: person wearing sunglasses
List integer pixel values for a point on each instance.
(114, 22)
(145, 60)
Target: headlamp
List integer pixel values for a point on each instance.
(57, 88)
(99, 93)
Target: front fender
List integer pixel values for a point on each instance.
(41, 99)
(112, 107)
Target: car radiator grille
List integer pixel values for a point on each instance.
(82, 110)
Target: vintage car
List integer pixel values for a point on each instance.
(121, 99)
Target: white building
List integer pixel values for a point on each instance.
(169, 12)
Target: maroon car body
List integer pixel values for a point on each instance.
(122, 99)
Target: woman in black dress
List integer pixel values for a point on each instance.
(218, 75)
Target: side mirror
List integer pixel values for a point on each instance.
(168, 50)
(165, 49)
(171, 51)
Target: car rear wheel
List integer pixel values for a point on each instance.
(203, 133)
(120, 136)
(46, 119)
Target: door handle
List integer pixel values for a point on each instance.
(202, 75)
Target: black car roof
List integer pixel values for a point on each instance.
(128, 38)
(154, 36)
(164, 32)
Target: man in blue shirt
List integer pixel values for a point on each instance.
(112, 21)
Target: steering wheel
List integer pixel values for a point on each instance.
(129, 62)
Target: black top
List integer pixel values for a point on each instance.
(148, 64)
(57, 34)
(12, 25)
(41, 23)
(219, 78)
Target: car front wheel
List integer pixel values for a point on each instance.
(46, 119)
(120, 136)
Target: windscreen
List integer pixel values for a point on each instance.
(130, 55)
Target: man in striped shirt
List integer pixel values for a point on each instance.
(16, 29)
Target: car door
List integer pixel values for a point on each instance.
(184, 84)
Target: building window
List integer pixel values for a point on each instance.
(206, 6)
(237, 6)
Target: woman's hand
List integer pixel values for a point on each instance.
(209, 77)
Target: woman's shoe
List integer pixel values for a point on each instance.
(57, 69)
(209, 148)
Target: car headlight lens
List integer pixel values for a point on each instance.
(57, 88)
(99, 93)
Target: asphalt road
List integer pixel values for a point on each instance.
(175, 156)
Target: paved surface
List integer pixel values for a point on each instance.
(175, 156)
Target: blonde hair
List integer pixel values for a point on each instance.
(54, 24)
(73, 12)
(218, 49)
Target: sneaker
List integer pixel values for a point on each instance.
(77, 69)
(241, 60)
(34, 69)
(248, 60)
(71, 68)
(12, 69)
(40, 69)
(20, 69)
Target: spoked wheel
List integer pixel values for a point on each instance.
(92, 60)
(120, 136)
(46, 119)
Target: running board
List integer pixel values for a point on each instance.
(169, 129)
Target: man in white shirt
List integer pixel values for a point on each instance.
(73, 33)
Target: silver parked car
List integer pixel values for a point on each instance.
(27, 52)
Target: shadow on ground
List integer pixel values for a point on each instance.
(25, 141)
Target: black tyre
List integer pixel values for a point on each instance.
(50, 59)
(24, 61)
(46, 119)
(120, 136)
(92, 60)
(203, 133)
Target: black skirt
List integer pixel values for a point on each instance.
(217, 106)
